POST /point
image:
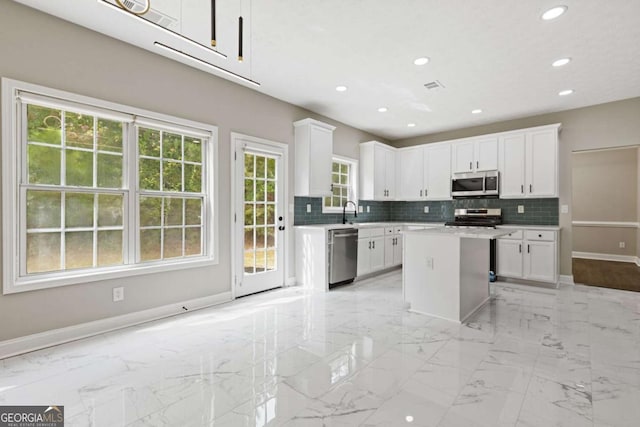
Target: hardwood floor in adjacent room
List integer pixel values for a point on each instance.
(607, 274)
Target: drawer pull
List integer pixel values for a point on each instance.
(520, 248)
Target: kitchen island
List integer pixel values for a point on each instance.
(446, 270)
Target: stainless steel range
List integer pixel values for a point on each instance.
(480, 218)
(476, 218)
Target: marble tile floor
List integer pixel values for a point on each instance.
(354, 356)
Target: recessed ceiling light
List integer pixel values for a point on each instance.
(560, 62)
(409, 418)
(341, 88)
(411, 125)
(421, 61)
(382, 110)
(554, 12)
(476, 111)
(565, 92)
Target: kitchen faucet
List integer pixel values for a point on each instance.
(344, 211)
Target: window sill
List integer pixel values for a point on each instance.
(32, 283)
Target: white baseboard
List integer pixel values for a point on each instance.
(566, 280)
(638, 261)
(605, 257)
(291, 281)
(41, 340)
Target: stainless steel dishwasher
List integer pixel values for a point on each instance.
(343, 255)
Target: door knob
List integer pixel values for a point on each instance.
(281, 228)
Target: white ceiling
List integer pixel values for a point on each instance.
(494, 55)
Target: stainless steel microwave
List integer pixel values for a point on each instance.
(475, 185)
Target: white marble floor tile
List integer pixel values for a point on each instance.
(353, 356)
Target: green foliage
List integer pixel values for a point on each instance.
(44, 125)
(78, 130)
(109, 137)
(44, 165)
(43, 209)
(79, 210)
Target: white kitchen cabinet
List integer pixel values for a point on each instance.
(512, 165)
(313, 158)
(397, 251)
(371, 248)
(530, 254)
(541, 167)
(410, 173)
(393, 247)
(528, 163)
(540, 261)
(510, 260)
(437, 172)
(377, 171)
(424, 173)
(475, 155)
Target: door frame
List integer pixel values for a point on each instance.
(236, 258)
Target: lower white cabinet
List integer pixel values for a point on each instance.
(509, 258)
(530, 254)
(371, 248)
(393, 247)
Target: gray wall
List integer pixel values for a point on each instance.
(41, 49)
(615, 124)
(605, 189)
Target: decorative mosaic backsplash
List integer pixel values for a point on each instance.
(536, 211)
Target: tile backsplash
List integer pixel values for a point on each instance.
(536, 211)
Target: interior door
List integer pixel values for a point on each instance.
(259, 217)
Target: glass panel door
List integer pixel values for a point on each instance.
(261, 186)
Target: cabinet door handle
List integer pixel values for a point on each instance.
(520, 248)
(530, 188)
(420, 193)
(477, 164)
(522, 188)
(528, 249)
(425, 192)
(373, 246)
(369, 244)
(470, 165)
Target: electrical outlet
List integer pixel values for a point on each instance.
(430, 263)
(623, 244)
(308, 207)
(426, 209)
(368, 209)
(360, 209)
(520, 208)
(118, 294)
(564, 208)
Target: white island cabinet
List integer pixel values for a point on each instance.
(446, 271)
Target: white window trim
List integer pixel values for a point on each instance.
(354, 185)
(12, 282)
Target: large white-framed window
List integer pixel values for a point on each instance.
(94, 190)
(344, 185)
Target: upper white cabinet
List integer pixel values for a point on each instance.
(437, 171)
(475, 154)
(410, 176)
(313, 156)
(528, 163)
(377, 171)
(424, 172)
